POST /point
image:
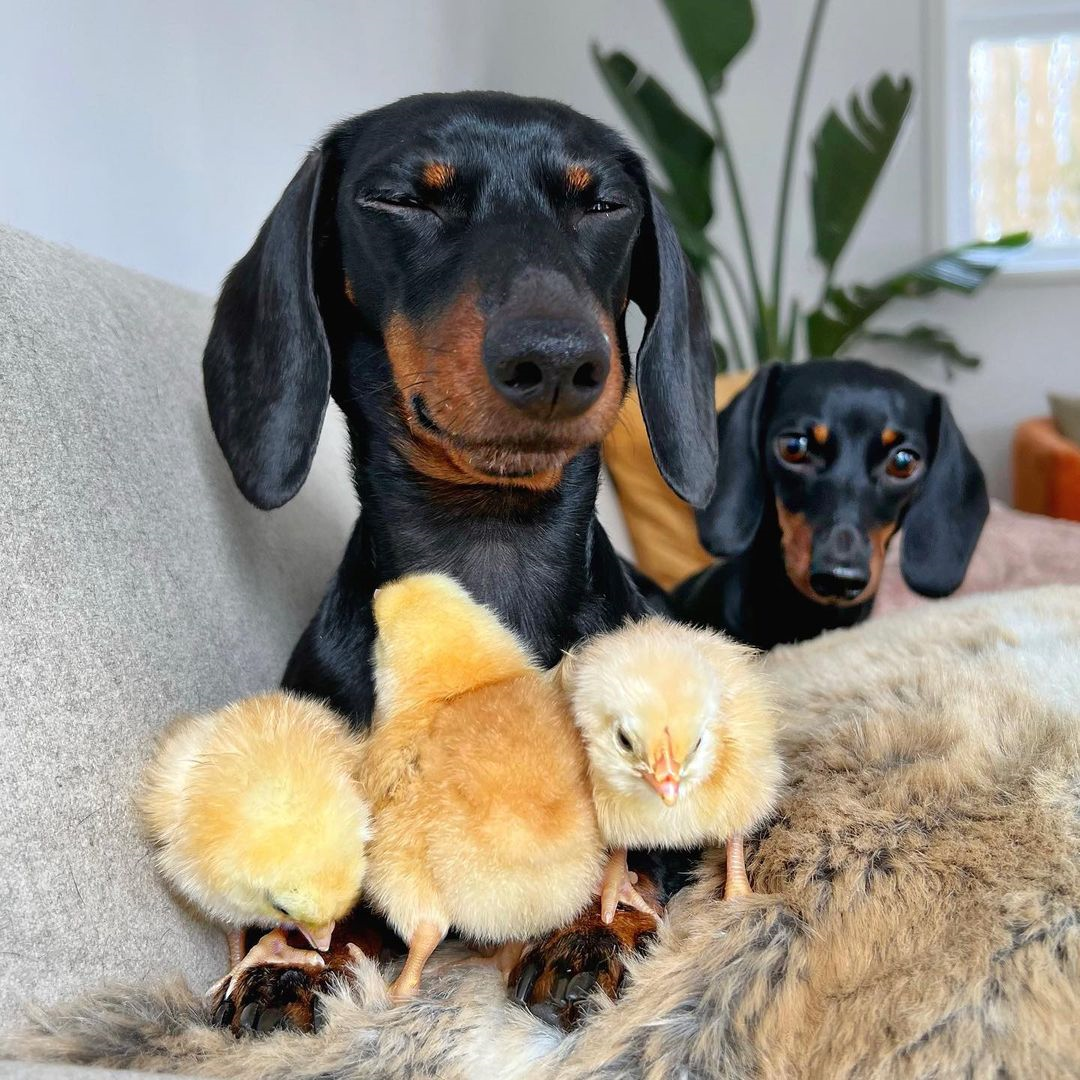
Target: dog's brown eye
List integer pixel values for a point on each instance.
(602, 206)
(793, 448)
(902, 463)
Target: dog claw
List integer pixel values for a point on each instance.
(269, 1019)
(249, 1015)
(223, 1014)
(580, 987)
(544, 1011)
(525, 982)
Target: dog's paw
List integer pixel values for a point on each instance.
(267, 998)
(556, 976)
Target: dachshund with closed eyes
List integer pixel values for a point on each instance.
(453, 271)
(821, 464)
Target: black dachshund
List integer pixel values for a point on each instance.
(453, 270)
(820, 464)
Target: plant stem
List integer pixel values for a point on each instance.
(788, 346)
(713, 278)
(734, 188)
(794, 126)
(722, 258)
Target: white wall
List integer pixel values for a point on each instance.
(158, 135)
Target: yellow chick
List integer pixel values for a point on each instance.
(681, 739)
(482, 815)
(257, 819)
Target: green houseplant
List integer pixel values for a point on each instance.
(762, 322)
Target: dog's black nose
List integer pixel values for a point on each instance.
(840, 564)
(552, 369)
(840, 583)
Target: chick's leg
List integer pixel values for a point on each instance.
(618, 888)
(736, 883)
(237, 942)
(424, 941)
(506, 957)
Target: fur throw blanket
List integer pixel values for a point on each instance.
(918, 907)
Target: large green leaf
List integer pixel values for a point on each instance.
(681, 146)
(964, 269)
(713, 33)
(923, 341)
(849, 159)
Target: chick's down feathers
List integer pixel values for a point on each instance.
(255, 813)
(477, 776)
(680, 733)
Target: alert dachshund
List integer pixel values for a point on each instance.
(820, 465)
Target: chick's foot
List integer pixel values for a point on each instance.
(618, 887)
(272, 948)
(556, 976)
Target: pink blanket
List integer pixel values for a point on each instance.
(1016, 551)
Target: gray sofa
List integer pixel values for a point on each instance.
(135, 582)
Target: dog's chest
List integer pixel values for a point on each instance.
(537, 590)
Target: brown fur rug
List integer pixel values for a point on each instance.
(918, 911)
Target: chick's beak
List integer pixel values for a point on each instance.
(318, 936)
(664, 778)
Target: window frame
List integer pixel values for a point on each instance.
(951, 27)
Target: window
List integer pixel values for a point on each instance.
(1007, 95)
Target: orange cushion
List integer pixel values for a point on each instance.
(661, 526)
(1046, 470)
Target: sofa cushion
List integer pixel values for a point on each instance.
(136, 582)
(661, 527)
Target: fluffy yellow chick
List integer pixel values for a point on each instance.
(482, 815)
(257, 818)
(681, 739)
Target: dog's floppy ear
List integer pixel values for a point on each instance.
(729, 522)
(266, 366)
(943, 523)
(676, 365)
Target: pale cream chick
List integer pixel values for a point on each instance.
(483, 819)
(681, 738)
(257, 819)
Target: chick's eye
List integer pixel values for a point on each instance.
(793, 448)
(696, 747)
(902, 463)
(624, 740)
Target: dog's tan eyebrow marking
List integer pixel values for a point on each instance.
(438, 174)
(578, 178)
(820, 433)
(350, 295)
(889, 436)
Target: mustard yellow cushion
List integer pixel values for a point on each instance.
(661, 525)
